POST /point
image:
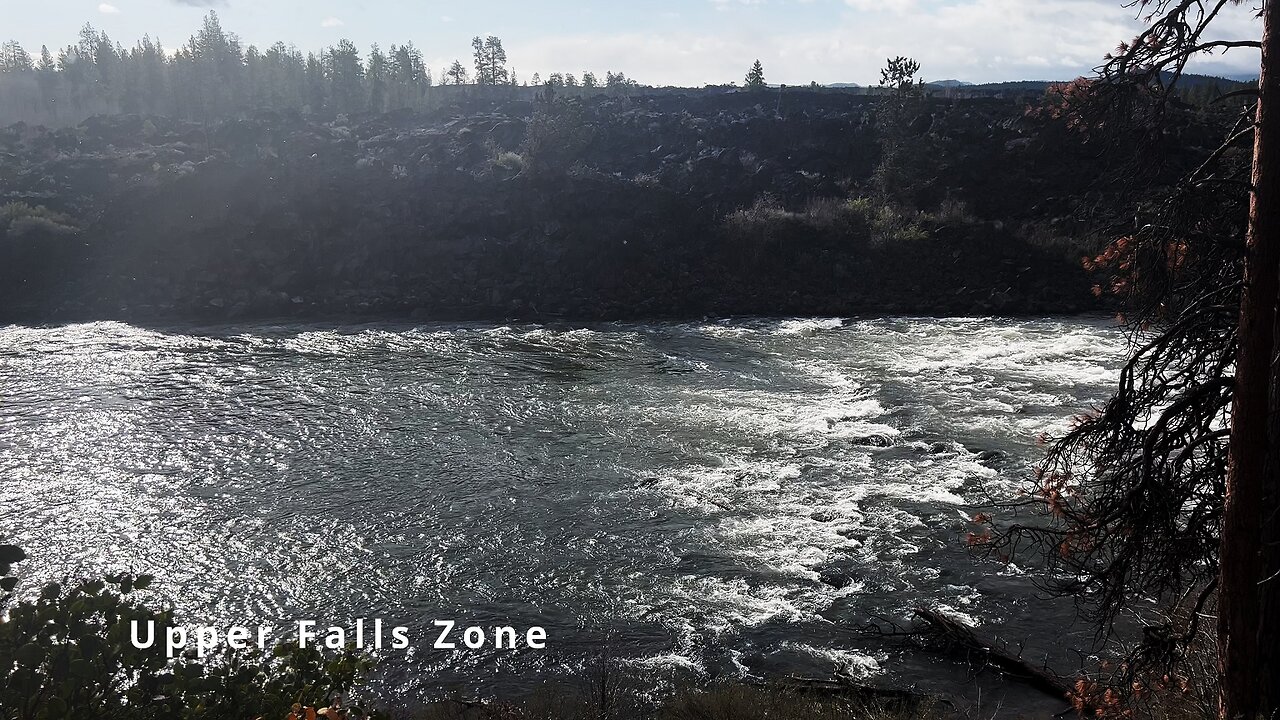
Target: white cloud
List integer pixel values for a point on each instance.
(331, 22)
(108, 9)
(898, 7)
(973, 40)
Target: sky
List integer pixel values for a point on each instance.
(664, 42)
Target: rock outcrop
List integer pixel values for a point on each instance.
(599, 208)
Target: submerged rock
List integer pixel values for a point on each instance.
(836, 578)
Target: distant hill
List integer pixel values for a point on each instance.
(1225, 83)
(1188, 81)
(1012, 86)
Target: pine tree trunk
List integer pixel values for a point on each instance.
(1267, 195)
(1240, 570)
(1269, 604)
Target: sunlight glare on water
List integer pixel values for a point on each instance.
(723, 498)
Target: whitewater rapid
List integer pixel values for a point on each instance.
(709, 499)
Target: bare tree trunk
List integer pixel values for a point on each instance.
(1267, 195)
(1269, 604)
(1240, 561)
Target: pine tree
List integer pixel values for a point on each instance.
(316, 88)
(218, 63)
(345, 73)
(899, 75)
(47, 65)
(490, 61)
(47, 80)
(408, 75)
(483, 74)
(1152, 497)
(376, 77)
(13, 58)
(755, 77)
(457, 73)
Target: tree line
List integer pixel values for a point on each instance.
(214, 75)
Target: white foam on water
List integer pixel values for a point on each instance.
(667, 661)
(807, 328)
(719, 606)
(953, 612)
(724, 331)
(785, 543)
(846, 663)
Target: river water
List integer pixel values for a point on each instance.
(706, 499)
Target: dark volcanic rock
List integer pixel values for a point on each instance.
(595, 208)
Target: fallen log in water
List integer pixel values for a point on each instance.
(938, 632)
(951, 633)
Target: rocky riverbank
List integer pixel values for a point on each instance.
(590, 208)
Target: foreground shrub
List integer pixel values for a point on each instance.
(741, 702)
(727, 702)
(69, 653)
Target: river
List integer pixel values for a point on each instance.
(709, 499)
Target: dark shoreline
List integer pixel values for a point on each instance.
(409, 320)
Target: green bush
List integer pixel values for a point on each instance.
(68, 653)
(558, 136)
(889, 226)
(857, 221)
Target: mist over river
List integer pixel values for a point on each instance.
(710, 499)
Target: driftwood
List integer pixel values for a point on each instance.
(951, 633)
(936, 631)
